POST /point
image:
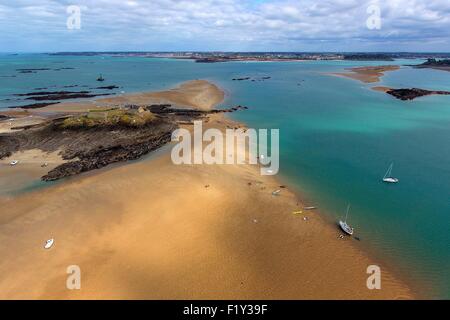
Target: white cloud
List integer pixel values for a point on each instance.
(221, 24)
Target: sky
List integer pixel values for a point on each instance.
(225, 25)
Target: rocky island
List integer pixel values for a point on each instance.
(442, 64)
(410, 94)
(94, 138)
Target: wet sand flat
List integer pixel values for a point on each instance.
(366, 74)
(155, 230)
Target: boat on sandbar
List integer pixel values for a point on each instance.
(343, 224)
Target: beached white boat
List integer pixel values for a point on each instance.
(14, 162)
(388, 176)
(49, 243)
(343, 224)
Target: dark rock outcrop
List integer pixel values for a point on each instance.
(47, 93)
(88, 148)
(66, 96)
(57, 96)
(411, 94)
(435, 63)
(108, 87)
(96, 159)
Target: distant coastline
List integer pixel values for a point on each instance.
(442, 64)
(215, 57)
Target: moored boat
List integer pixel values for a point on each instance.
(388, 176)
(344, 226)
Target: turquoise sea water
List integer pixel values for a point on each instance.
(337, 138)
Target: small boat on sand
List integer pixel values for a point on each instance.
(276, 193)
(310, 208)
(14, 162)
(49, 243)
(388, 176)
(343, 224)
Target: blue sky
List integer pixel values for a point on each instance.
(225, 25)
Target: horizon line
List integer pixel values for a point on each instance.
(219, 51)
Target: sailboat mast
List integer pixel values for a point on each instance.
(346, 215)
(389, 171)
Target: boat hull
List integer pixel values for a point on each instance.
(346, 228)
(390, 180)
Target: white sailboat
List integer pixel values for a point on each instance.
(343, 224)
(388, 176)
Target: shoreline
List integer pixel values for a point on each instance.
(371, 251)
(242, 240)
(370, 74)
(105, 131)
(373, 74)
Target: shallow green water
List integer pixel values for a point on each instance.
(337, 138)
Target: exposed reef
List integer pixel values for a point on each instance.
(252, 79)
(413, 93)
(97, 138)
(108, 87)
(88, 147)
(409, 94)
(54, 96)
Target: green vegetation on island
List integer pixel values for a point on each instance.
(109, 117)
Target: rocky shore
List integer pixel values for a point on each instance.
(96, 139)
(88, 148)
(442, 64)
(59, 95)
(54, 97)
(409, 94)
